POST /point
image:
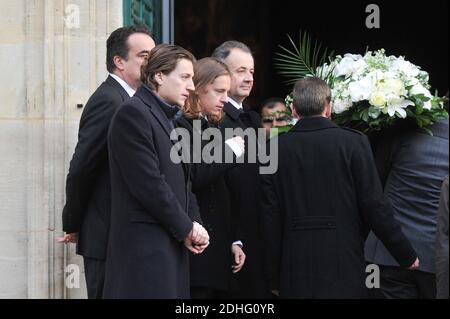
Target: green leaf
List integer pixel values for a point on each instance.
(356, 116)
(302, 59)
(374, 112)
(419, 109)
(279, 130)
(428, 131)
(365, 115)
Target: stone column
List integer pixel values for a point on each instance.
(51, 62)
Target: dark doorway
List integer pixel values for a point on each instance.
(417, 30)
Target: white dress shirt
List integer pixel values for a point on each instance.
(123, 84)
(235, 104)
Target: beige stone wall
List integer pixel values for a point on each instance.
(49, 64)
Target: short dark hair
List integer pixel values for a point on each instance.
(117, 44)
(223, 51)
(311, 94)
(163, 58)
(271, 102)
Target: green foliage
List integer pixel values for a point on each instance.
(302, 60)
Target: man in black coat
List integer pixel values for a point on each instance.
(88, 191)
(320, 203)
(154, 215)
(243, 181)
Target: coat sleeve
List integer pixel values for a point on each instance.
(90, 152)
(376, 210)
(193, 208)
(442, 243)
(133, 150)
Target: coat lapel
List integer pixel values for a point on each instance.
(234, 114)
(116, 85)
(145, 94)
(148, 98)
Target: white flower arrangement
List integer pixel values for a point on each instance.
(369, 92)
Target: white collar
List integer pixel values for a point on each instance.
(235, 104)
(124, 84)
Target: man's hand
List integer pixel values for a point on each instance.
(239, 258)
(68, 238)
(199, 235)
(415, 265)
(197, 240)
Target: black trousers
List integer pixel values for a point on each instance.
(94, 270)
(399, 283)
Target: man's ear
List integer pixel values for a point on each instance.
(159, 78)
(328, 109)
(294, 111)
(118, 62)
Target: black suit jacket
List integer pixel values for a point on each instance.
(243, 184)
(412, 165)
(88, 190)
(315, 208)
(152, 205)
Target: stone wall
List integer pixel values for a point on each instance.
(51, 60)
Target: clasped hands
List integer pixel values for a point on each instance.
(197, 240)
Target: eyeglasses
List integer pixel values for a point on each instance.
(269, 119)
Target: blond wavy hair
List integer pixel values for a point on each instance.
(206, 71)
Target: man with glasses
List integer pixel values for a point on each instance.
(274, 114)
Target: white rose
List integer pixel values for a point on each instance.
(378, 99)
(394, 86)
